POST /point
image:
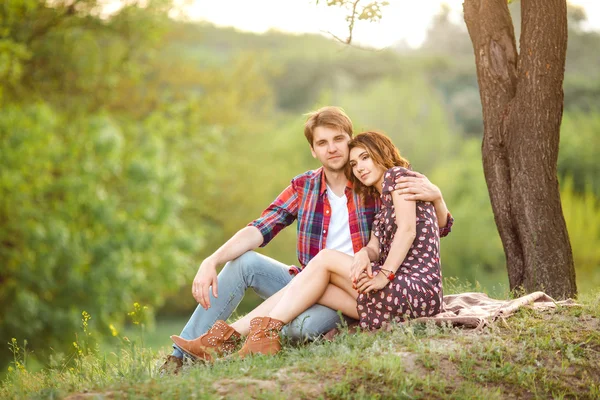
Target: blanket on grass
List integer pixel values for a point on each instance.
(476, 310)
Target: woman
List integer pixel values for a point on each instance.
(395, 277)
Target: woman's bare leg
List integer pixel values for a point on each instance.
(334, 298)
(338, 299)
(242, 325)
(305, 290)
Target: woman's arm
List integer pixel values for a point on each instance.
(418, 187)
(441, 211)
(406, 231)
(362, 259)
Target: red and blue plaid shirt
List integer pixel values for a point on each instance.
(305, 199)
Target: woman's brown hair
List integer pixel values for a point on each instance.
(383, 153)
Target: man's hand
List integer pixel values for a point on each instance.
(205, 278)
(367, 285)
(418, 188)
(360, 263)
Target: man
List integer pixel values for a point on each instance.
(330, 215)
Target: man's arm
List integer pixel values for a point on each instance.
(281, 213)
(420, 188)
(246, 239)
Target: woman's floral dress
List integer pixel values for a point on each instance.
(417, 289)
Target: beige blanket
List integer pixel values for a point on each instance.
(476, 310)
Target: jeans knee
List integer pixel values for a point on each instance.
(241, 266)
(301, 330)
(309, 326)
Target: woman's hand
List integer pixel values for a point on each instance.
(360, 264)
(367, 285)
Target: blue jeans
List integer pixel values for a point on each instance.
(266, 276)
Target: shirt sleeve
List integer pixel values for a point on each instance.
(280, 213)
(444, 231)
(293, 270)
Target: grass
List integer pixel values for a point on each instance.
(156, 339)
(552, 354)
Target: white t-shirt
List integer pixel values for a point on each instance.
(338, 237)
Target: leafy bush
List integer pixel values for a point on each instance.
(89, 210)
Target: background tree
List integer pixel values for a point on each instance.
(522, 100)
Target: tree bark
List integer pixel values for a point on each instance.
(522, 100)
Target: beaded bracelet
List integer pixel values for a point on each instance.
(391, 276)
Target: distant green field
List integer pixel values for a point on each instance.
(156, 338)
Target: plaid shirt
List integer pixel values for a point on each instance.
(305, 199)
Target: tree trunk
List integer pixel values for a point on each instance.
(522, 100)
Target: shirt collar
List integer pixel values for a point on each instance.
(323, 187)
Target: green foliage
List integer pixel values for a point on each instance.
(410, 112)
(473, 251)
(13, 54)
(90, 220)
(64, 52)
(579, 149)
(582, 215)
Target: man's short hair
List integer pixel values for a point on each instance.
(331, 117)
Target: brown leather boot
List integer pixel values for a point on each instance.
(219, 340)
(263, 337)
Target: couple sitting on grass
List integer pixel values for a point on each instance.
(388, 275)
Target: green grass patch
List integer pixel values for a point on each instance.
(550, 354)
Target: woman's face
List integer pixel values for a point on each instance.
(364, 169)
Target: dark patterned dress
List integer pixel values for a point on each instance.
(417, 289)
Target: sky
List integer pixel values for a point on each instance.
(402, 20)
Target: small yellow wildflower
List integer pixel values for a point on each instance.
(85, 318)
(113, 330)
(79, 351)
(138, 315)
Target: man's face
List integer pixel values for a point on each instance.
(330, 147)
